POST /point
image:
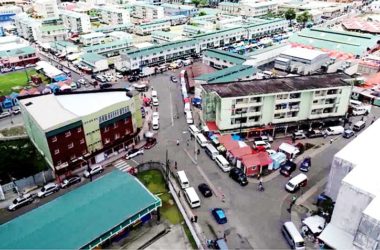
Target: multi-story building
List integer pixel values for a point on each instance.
(13, 55)
(25, 26)
(92, 125)
(179, 9)
(46, 8)
(110, 49)
(164, 37)
(93, 38)
(147, 12)
(255, 103)
(148, 28)
(154, 55)
(7, 12)
(249, 9)
(353, 184)
(47, 33)
(221, 59)
(230, 8)
(76, 22)
(301, 60)
(114, 16)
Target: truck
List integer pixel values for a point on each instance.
(147, 71)
(359, 108)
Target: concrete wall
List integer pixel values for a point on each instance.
(368, 234)
(339, 169)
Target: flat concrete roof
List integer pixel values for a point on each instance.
(77, 219)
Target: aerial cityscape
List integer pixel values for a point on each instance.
(189, 124)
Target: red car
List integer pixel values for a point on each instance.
(150, 143)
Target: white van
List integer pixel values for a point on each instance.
(335, 130)
(154, 94)
(291, 234)
(359, 126)
(296, 182)
(211, 151)
(155, 123)
(201, 139)
(194, 130)
(182, 178)
(187, 108)
(361, 110)
(192, 197)
(222, 163)
(189, 117)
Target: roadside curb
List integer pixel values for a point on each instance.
(311, 191)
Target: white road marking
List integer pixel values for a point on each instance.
(171, 107)
(135, 161)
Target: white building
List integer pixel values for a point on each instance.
(258, 9)
(113, 16)
(95, 61)
(354, 184)
(92, 38)
(148, 28)
(25, 26)
(76, 22)
(119, 35)
(46, 8)
(147, 12)
(301, 60)
(246, 104)
(164, 37)
(230, 8)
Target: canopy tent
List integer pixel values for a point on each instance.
(290, 150)
(254, 163)
(60, 78)
(315, 224)
(278, 159)
(240, 152)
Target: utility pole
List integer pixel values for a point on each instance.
(167, 168)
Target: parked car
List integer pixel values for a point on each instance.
(264, 144)
(30, 65)
(6, 70)
(21, 201)
(305, 164)
(237, 175)
(205, 190)
(16, 110)
(314, 133)
(133, 78)
(100, 78)
(96, 169)
(71, 180)
(142, 112)
(119, 76)
(48, 189)
(19, 67)
(105, 85)
(348, 133)
(288, 168)
(299, 134)
(155, 101)
(150, 143)
(4, 114)
(156, 115)
(82, 81)
(173, 79)
(266, 138)
(219, 215)
(140, 87)
(134, 152)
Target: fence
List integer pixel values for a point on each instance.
(38, 179)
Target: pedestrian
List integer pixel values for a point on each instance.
(195, 218)
(179, 193)
(198, 151)
(331, 140)
(187, 142)
(192, 219)
(325, 135)
(225, 236)
(373, 121)
(175, 165)
(177, 142)
(362, 119)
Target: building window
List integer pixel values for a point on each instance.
(79, 130)
(67, 134)
(72, 157)
(106, 129)
(115, 125)
(54, 139)
(71, 145)
(107, 140)
(81, 141)
(56, 151)
(117, 136)
(84, 152)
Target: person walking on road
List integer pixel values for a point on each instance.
(177, 142)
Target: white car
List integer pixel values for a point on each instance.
(118, 75)
(4, 114)
(266, 138)
(19, 67)
(20, 201)
(299, 134)
(156, 115)
(264, 144)
(133, 153)
(271, 151)
(48, 189)
(155, 101)
(16, 110)
(96, 169)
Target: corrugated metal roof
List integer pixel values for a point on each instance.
(17, 52)
(224, 55)
(79, 217)
(228, 74)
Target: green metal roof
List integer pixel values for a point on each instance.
(52, 27)
(178, 6)
(348, 42)
(107, 45)
(225, 55)
(92, 58)
(79, 217)
(17, 52)
(228, 74)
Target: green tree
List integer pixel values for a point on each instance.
(202, 13)
(290, 14)
(303, 18)
(199, 2)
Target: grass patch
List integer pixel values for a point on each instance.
(19, 130)
(189, 236)
(155, 182)
(16, 79)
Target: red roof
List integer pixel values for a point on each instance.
(259, 159)
(212, 126)
(197, 69)
(224, 138)
(239, 152)
(229, 145)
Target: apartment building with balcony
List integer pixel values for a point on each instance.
(46, 8)
(179, 9)
(114, 16)
(76, 22)
(147, 28)
(93, 38)
(147, 12)
(25, 26)
(275, 102)
(92, 125)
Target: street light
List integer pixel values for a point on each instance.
(88, 166)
